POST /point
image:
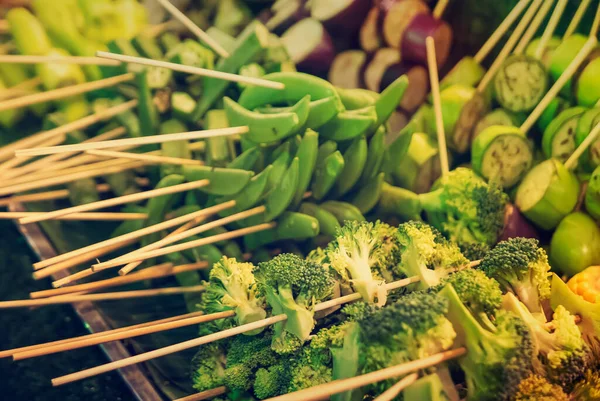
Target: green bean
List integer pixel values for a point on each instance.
(350, 124)
(328, 223)
(368, 196)
(249, 196)
(343, 211)
(327, 174)
(223, 181)
(374, 157)
(245, 161)
(355, 158)
(307, 154)
(278, 200)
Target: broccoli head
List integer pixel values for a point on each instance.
(232, 286)
(412, 328)
(317, 256)
(496, 360)
(272, 381)
(358, 253)
(537, 388)
(521, 267)
(466, 208)
(208, 367)
(426, 253)
(588, 388)
(293, 286)
(562, 354)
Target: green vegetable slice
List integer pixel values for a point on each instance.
(521, 83)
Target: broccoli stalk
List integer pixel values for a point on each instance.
(562, 355)
(426, 254)
(359, 254)
(496, 360)
(521, 267)
(293, 286)
(232, 286)
(537, 388)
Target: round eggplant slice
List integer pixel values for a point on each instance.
(562, 57)
(285, 14)
(347, 69)
(546, 58)
(590, 159)
(502, 154)
(554, 108)
(495, 117)
(413, 41)
(587, 84)
(559, 138)
(397, 16)
(369, 36)
(382, 60)
(309, 46)
(547, 194)
(418, 84)
(342, 18)
(420, 167)
(520, 83)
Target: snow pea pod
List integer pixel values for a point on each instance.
(278, 200)
(374, 157)
(357, 98)
(390, 98)
(327, 174)
(343, 211)
(328, 223)
(245, 161)
(368, 196)
(249, 195)
(355, 158)
(290, 226)
(307, 155)
(319, 111)
(223, 181)
(280, 165)
(350, 124)
(325, 150)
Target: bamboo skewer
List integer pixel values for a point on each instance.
(577, 18)
(52, 159)
(183, 234)
(205, 395)
(8, 150)
(322, 391)
(90, 216)
(204, 72)
(534, 26)
(11, 164)
(508, 47)
(595, 23)
(123, 335)
(211, 337)
(182, 247)
(396, 389)
(65, 92)
(145, 140)
(439, 9)
(195, 29)
(592, 136)
(4, 25)
(437, 104)
(25, 59)
(135, 234)
(140, 156)
(11, 352)
(24, 87)
(44, 196)
(119, 200)
(550, 28)
(155, 30)
(108, 296)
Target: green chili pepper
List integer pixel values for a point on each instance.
(368, 196)
(343, 211)
(223, 181)
(307, 154)
(327, 174)
(328, 223)
(355, 159)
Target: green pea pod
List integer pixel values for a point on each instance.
(290, 226)
(357, 98)
(245, 161)
(280, 165)
(325, 150)
(147, 111)
(297, 85)
(29, 35)
(249, 195)
(327, 174)
(183, 210)
(263, 128)
(355, 159)
(349, 124)
(374, 157)
(83, 191)
(319, 111)
(390, 98)
(307, 154)
(368, 196)
(223, 181)
(343, 211)
(283, 148)
(328, 223)
(279, 199)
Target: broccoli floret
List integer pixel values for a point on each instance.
(272, 381)
(317, 256)
(496, 360)
(562, 355)
(588, 389)
(208, 367)
(521, 267)
(479, 293)
(412, 328)
(466, 208)
(293, 286)
(239, 378)
(252, 351)
(232, 286)
(359, 252)
(537, 388)
(475, 251)
(310, 367)
(426, 253)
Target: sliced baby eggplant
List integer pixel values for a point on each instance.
(369, 37)
(347, 69)
(342, 18)
(421, 27)
(309, 46)
(396, 17)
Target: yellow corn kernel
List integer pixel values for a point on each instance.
(587, 284)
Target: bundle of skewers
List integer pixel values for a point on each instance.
(288, 164)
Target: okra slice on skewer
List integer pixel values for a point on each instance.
(558, 140)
